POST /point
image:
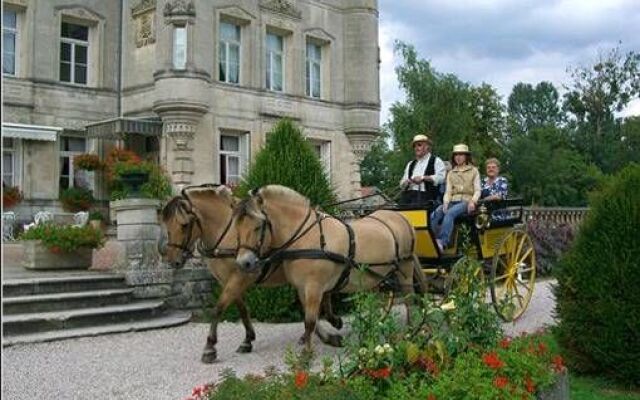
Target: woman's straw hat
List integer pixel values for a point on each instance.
(461, 149)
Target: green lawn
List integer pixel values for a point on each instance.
(588, 388)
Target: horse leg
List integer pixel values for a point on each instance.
(230, 291)
(311, 299)
(245, 346)
(327, 307)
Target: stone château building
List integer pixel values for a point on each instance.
(194, 84)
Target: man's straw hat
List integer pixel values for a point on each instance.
(421, 138)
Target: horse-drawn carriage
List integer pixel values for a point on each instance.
(497, 238)
(276, 237)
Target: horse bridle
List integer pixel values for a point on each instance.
(187, 251)
(266, 224)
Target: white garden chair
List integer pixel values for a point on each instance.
(43, 216)
(80, 219)
(8, 221)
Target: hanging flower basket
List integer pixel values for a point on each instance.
(11, 196)
(87, 162)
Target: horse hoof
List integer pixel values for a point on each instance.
(209, 356)
(245, 348)
(337, 323)
(301, 341)
(335, 340)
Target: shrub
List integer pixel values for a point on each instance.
(88, 162)
(287, 159)
(598, 301)
(551, 241)
(64, 238)
(96, 216)
(76, 199)
(11, 196)
(278, 304)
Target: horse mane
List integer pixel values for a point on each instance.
(177, 202)
(289, 195)
(172, 207)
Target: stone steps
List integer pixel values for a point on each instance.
(61, 284)
(80, 318)
(174, 318)
(68, 305)
(65, 301)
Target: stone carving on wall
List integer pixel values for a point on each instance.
(180, 8)
(282, 6)
(143, 15)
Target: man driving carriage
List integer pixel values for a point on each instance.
(423, 174)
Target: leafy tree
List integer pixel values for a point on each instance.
(288, 159)
(374, 168)
(449, 110)
(546, 171)
(533, 107)
(595, 95)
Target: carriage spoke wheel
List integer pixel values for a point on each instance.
(513, 274)
(455, 280)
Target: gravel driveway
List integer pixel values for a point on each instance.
(165, 364)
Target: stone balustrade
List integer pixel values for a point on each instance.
(560, 215)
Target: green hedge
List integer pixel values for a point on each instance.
(598, 292)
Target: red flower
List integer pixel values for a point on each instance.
(505, 342)
(542, 348)
(429, 365)
(492, 360)
(380, 373)
(558, 363)
(431, 396)
(500, 381)
(528, 384)
(55, 249)
(301, 379)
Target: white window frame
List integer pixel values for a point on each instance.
(16, 42)
(179, 61)
(72, 63)
(14, 151)
(226, 44)
(269, 55)
(70, 154)
(242, 154)
(310, 62)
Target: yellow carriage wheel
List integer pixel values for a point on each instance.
(513, 274)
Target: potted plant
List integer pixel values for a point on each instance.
(11, 196)
(76, 199)
(87, 162)
(96, 219)
(132, 176)
(51, 246)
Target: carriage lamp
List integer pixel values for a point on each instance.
(483, 219)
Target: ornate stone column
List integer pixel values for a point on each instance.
(181, 120)
(361, 143)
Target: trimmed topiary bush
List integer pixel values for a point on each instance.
(598, 292)
(289, 160)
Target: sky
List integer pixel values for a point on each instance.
(502, 42)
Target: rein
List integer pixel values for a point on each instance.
(274, 257)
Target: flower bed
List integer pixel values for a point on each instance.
(459, 354)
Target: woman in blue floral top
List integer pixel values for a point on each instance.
(494, 187)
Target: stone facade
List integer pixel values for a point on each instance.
(162, 59)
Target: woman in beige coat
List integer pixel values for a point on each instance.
(461, 195)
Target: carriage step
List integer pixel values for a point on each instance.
(173, 319)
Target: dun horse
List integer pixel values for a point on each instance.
(202, 216)
(318, 252)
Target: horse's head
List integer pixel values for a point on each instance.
(180, 228)
(254, 232)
